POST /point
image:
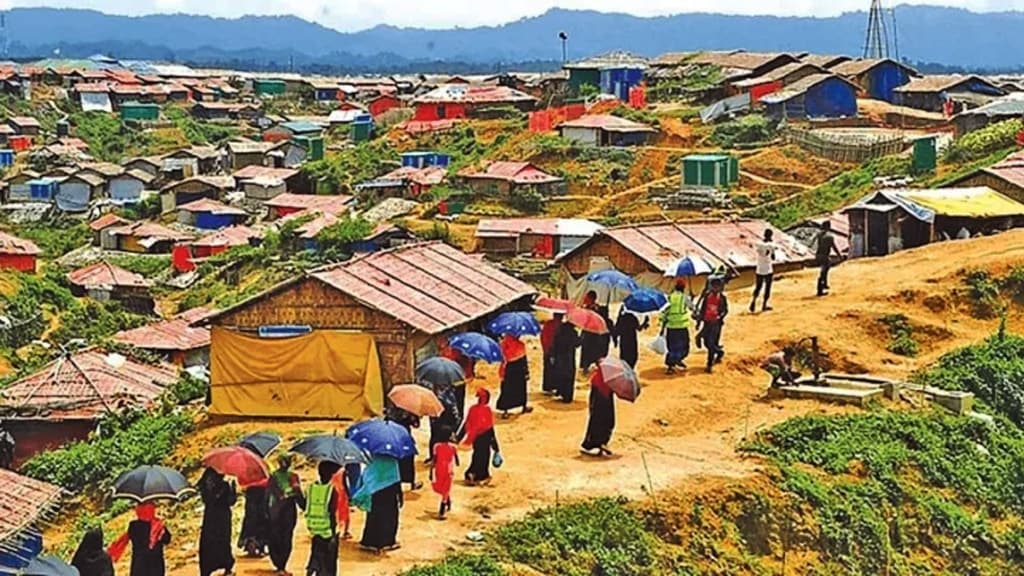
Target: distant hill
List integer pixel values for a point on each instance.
(949, 36)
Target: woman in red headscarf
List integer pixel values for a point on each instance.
(515, 374)
(601, 422)
(478, 432)
(148, 536)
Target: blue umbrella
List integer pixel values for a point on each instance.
(382, 438)
(645, 301)
(514, 323)
(613, 279)
(687, 267)
(476, 345)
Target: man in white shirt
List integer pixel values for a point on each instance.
(765, 271)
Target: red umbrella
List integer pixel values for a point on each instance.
(620, 378)
(587, 320)
(239, 462)
(553, 305)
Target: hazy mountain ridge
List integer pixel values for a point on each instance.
(984, 40)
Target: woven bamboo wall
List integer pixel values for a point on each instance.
(313, 303)
(993, 182)
(625, 261)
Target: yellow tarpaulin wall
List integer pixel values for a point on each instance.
(323, 374)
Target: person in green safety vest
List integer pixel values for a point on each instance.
(322, 523)
(675, 325)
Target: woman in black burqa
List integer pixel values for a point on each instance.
(91, 559)
(215, 536)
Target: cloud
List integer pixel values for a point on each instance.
(350, 15)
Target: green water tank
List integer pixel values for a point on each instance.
(925, 153)
(314, 146)
(140, 112)
(712, 170)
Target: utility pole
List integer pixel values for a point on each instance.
(876, 39)
(565, 47)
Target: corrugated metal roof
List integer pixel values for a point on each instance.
(466, 93)
(940, 83)
(106, 221)
(213, 207)
(431, 287)
(426, 176)
(543, 226)
(150, 230)
(515, 172)
(231, 236)
(326, 204)
(825, 60)
(730, 243)
(1012, 105)
(24, 502)
(174, 335)
(853, 68)
(779, 74)
(739, 59)
(250, 147)
(802, 86)
(84, 386)
(608, 123)
(104, 276)
(24, 121)
(105, 169)
(216, 182)
(16, 246)
(976, 202)
(609, 61)
(255, 171)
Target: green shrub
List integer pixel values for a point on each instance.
(527, 200)
(93, 321)
(988, 140)
(461, 565)
(595, 537)
(148, 266)
(58, 238)
(125, 442)
(992, 370)
(901, 335)
(187, 389)
(751, 129)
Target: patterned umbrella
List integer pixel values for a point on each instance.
(514, 323)
(687, 267)
(645, 301)
(238, 461)
(476, 345)
(439, 371)
(335, 449)
(620, 378)
(382, 438)
(416, 400)
(151, 483)
(587, 320)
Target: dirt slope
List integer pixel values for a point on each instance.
(684, 427)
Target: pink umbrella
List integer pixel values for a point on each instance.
(620, 378)
(239, 462)
(416, 400)
(587, 320)
(553, 305)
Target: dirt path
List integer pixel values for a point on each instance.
(767, 182)
(626, 196)
(684, 426)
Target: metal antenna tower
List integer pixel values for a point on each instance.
(876, 40)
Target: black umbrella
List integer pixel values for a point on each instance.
(261, 443)
(48, 566)
(149, 483)
(335, 449)
(439, 372)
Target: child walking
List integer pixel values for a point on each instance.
(442, 472)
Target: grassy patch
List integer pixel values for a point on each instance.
(901, 335)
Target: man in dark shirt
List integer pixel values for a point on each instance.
(826, 246)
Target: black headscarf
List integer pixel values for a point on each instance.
(326, 470)
(91, 559)
(212, 486)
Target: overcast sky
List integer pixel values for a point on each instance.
(350, 15)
